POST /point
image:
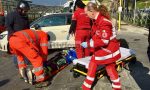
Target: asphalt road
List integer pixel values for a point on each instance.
(132, 37)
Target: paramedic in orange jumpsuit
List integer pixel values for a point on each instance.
(105, 44)
(33, 45)
(81, 27)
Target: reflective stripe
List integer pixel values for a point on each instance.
(40, 77)
(117, 80)
(38, 69)
(114, 36)
(91, 43)
(27, 36)
(36, 36)
(87, 85)
(105, 41)
(90, 78)
(106, 50)
(113, 29)
(107, 20)
(43, 44)
(21, 62)
(116, 86)
(30, 39)
(108, 56)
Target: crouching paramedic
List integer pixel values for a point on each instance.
(105, 44)
(33, 45)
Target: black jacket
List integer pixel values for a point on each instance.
(2, 20)
(16, 22)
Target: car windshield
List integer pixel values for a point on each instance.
(52, 20)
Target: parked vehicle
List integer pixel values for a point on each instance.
(56, 25)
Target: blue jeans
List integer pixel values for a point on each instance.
(15, 60)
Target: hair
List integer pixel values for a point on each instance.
(79, 4)
(102, 9)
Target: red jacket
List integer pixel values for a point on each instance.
(83, 21)
(104, 42)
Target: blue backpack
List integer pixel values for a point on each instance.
(70, 55)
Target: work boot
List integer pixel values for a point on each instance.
(42, 84)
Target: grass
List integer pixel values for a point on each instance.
(143, 4)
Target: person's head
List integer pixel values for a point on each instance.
(92, 10)
(23, 7)
(79, 4)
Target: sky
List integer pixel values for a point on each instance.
(49, 2)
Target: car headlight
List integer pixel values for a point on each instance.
(2, 36)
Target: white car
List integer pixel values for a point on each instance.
(3, 41)
(56, 25)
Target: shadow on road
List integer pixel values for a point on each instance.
(140, 75)
(137, 70)
(3, 82)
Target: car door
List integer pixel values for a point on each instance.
(57, 28)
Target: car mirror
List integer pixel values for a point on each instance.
(36, 26)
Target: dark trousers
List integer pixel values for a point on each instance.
(148, 52)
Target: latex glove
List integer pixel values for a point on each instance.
(68, 36)
(84, 44)
(91, 43)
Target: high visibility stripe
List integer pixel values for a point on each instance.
(87, 85)
(108, 56)
(40, 77)
(106, 50)
(43, 44)
(105, 41)
(107, 20)
(114, 36)
(116, 86)
(116, 80)
(113, 29)
(36, 36)
(90, 78)
(21, 62)
(27, 36)
(38, 69)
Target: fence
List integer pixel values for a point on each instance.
(139, 17)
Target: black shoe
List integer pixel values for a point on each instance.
(42, 84)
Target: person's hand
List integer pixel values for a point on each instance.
(84, 44)
(68, 36)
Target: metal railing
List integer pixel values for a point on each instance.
(138, 17)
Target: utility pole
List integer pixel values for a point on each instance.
(119, 10)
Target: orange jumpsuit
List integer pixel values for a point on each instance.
(33, 45)
(106, 52)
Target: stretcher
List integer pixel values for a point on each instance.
(80, 66)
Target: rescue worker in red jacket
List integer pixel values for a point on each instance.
(2, 21)
(33, 45)
(105, 44)
(81, 27)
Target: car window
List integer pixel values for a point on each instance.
(52, 21)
